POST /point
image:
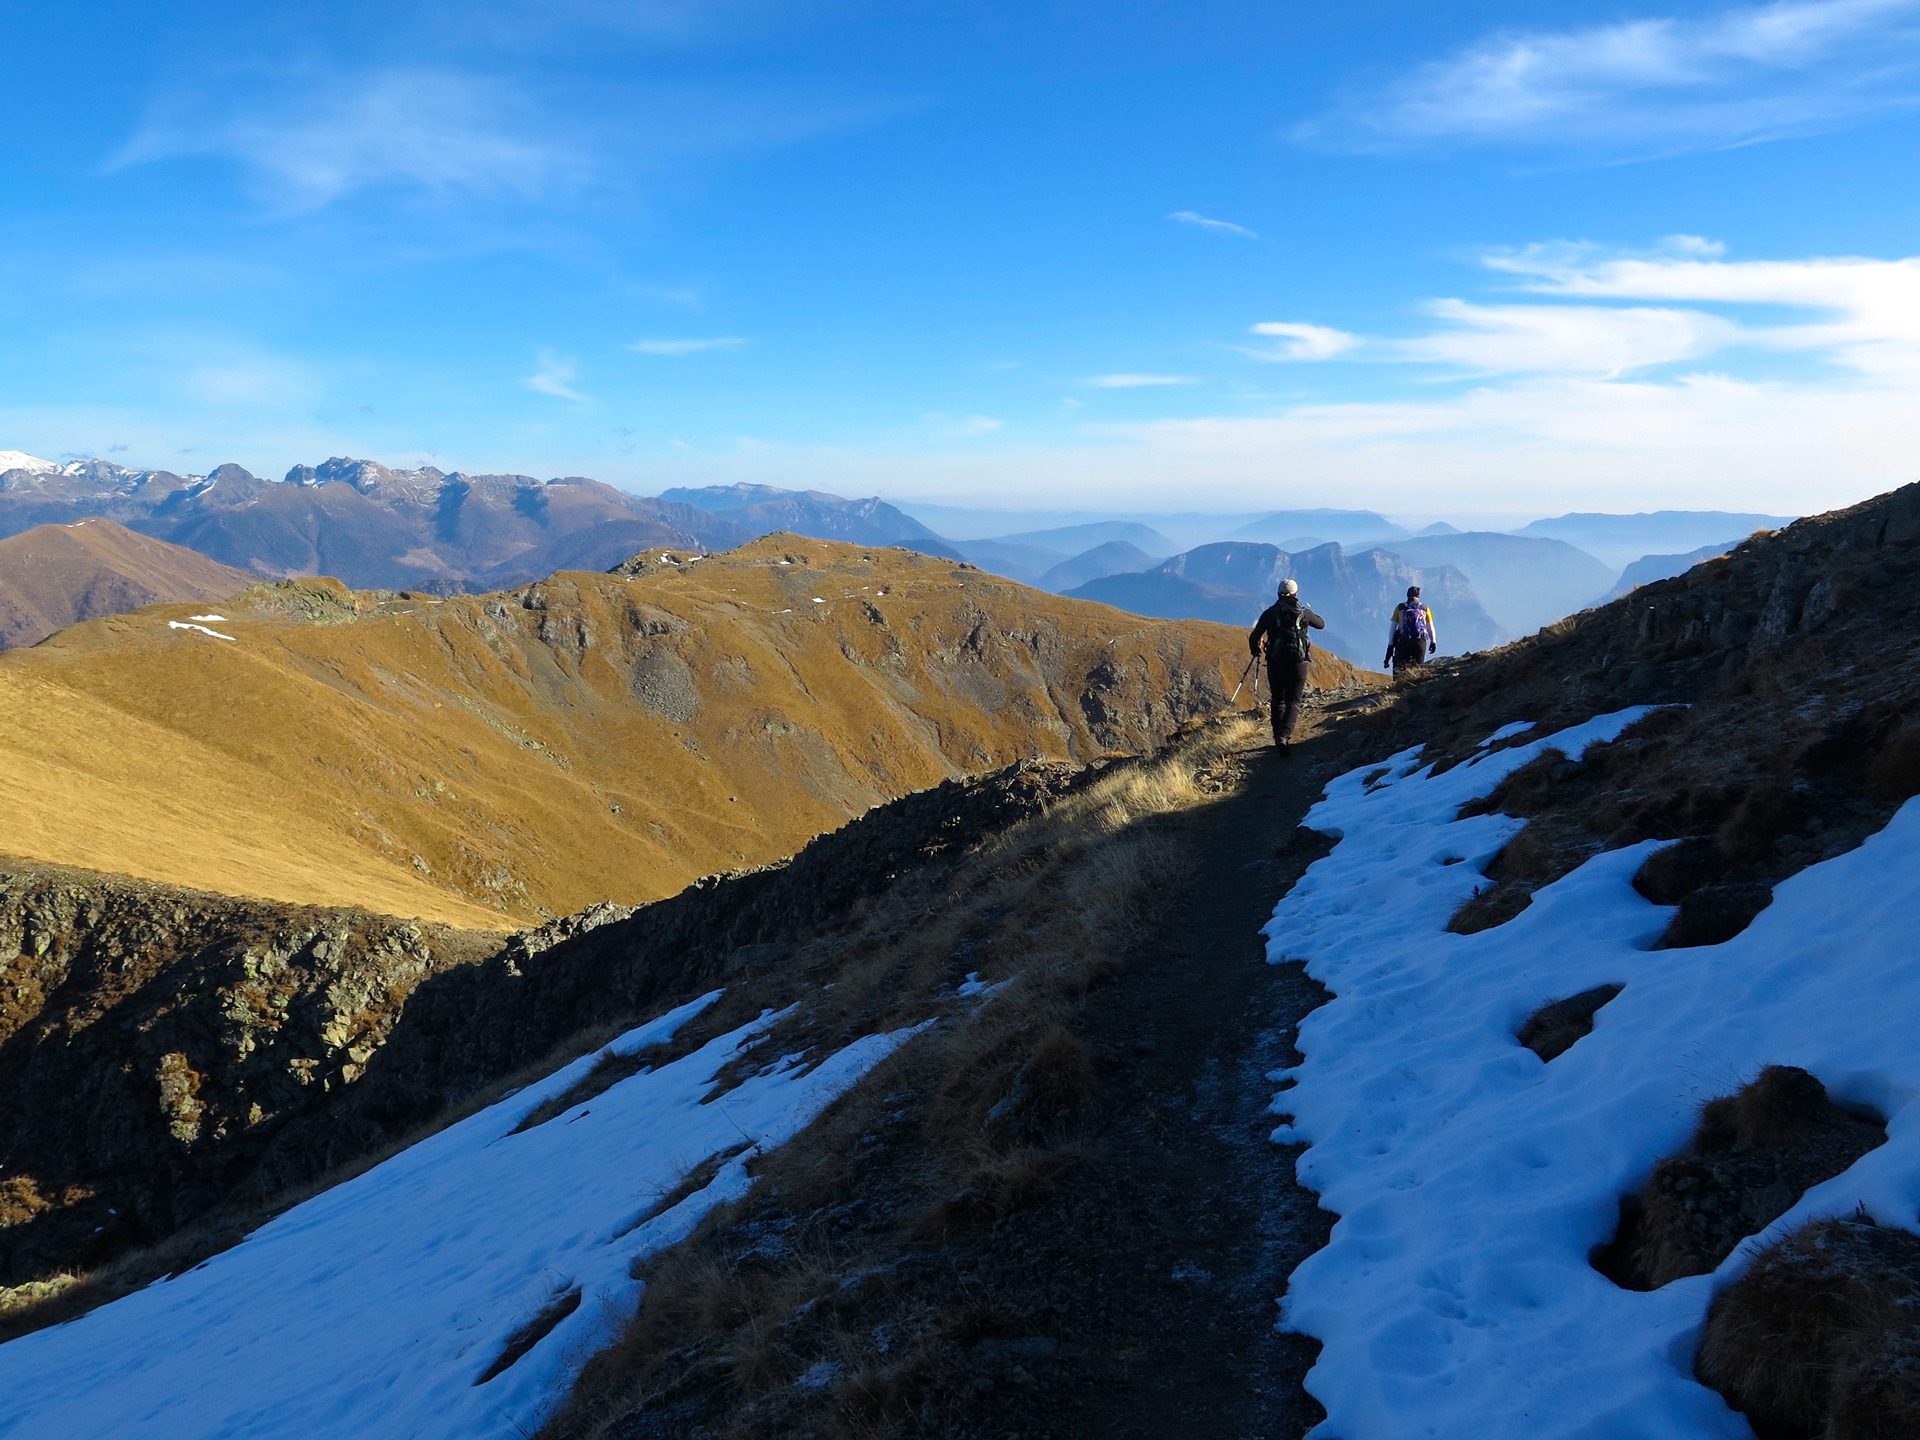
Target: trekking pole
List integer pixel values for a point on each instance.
(1243, 679)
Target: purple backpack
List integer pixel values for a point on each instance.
(1414, 629)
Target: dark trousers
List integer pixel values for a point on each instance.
(1408, 655)
(1288, 686)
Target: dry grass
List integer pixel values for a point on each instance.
(488, 760)
(1819, 1337)
(1753, 1155)
(976, 1119)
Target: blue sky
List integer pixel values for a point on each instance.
(1499, 260)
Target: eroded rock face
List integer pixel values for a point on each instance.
(164, 1052)
(152, 1038)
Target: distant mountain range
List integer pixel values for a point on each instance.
(366, 524)
(440, 532)
(764, 509)
(1235, 580)
(1618, 540)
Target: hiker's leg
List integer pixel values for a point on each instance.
(1289, 690)
(1276, 712)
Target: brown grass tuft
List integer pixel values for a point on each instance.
(1821, 1336)
(1552, 1029)
(1754, 1154)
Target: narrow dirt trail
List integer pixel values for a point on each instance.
(1159, 1260)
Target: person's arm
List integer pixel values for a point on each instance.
(1313, 619)
(1433, 634)
(1259, 629)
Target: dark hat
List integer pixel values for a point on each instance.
(1413, 592)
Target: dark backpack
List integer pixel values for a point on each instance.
(1414, 629)
(1288, 633)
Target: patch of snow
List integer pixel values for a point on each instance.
(20, 460)
(818, 601)
(374, 1308)
(215, 619)
(184, 625)
(1472, 1180)
(974, 985)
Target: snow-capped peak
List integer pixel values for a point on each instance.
(20, 460)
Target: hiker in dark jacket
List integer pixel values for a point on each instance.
(1411, 637)
(1282, 628)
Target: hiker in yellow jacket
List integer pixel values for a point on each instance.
(1412, 637)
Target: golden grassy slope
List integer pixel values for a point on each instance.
(56, 575)
(486, 759)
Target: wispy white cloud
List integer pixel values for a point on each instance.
(962, 424)
(1206, 222)
(685, 345)
(1131, 381)
(1565, 339)
(1296, 340)
(435, 130)
(1648, 86)
(554, 376)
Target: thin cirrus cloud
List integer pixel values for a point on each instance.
(554, 375)
(1134, 381)
(686, 345)
(1642, 87)
(1207, 222)
(440, 131)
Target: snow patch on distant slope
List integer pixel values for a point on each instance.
(20, 460)
(1455, 1297)
(376, 1308)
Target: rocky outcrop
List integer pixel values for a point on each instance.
(164, 1052)
(151, 1038)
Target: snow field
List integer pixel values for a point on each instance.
(374, 1308)
(1473, 1180)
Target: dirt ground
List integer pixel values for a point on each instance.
(1156, 1266)
(1164, 1256)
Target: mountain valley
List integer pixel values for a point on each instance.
(978, 1086)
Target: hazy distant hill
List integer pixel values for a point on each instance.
(1649, 568)
(1618, 540)
(1078, 539)
(763, 509)
(1116, 557)
(365, 523)
(1346, 527)
(53, 576)
(1233, 581)
(1025, 563)
(1524, 581)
